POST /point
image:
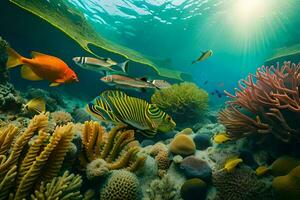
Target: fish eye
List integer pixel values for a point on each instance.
(168, 118)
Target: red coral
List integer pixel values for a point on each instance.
(266, 103)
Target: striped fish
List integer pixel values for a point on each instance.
(117, 107)
(100, 65)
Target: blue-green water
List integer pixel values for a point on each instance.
(242, 34)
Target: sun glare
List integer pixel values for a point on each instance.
(250, 11)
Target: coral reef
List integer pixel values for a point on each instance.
(54, 100)
(288, 186)
(122, 185)
(10, 99)
(118, 148)
(183, 145)
(267, 103)
(241, 184)
(21, 167)
(193, 189)
(66, 186)
(3, 58)
(163, 189)
(185, 102)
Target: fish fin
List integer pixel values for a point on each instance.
(14, 59)
(147, 133)
(193, 62)
(124, 66)
(38, 104)
(54, 84)
(28, 74)
(35, 54)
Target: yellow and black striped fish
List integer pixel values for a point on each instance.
(117, 107)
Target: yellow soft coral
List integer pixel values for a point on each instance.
(185, 102)
(65, 187)
(41, 161)
(117, 148)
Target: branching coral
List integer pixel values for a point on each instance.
(266, 103)
(185, 102)
(117, 148)
(64, 187)
(23, 168)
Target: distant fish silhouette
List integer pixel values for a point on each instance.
(205, 82)
(218, 93)
(204, 56)
(221, 84)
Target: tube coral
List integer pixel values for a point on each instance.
(185, 102)
(266, 103)
(118, 148)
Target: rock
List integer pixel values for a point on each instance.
(194, 189)
(183, 145)
(288, 186)
(194, 167)
(186, 131)
(248, 158)
(283, 165)
(202, 141)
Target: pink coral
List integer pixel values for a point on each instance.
(266, 103)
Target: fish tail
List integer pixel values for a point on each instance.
(124, 66)
(14, 59)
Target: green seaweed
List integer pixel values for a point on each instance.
(75, 26)
(285, 52)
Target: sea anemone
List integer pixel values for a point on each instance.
(267, 103)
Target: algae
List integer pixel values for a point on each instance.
(75, 26)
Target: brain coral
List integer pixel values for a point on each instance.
(185, 102)
(122, 185)
(241, 184)
(96, 168)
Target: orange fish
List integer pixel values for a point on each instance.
(41, 67)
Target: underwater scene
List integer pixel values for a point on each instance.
(149, 100)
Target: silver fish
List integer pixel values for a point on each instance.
(203, 56)
(100, 65)
(127, 82)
